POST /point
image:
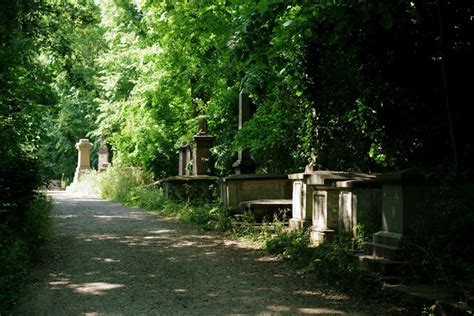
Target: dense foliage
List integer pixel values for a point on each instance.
(352, 84)
(356, 84)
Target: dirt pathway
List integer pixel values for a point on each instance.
(107, 259)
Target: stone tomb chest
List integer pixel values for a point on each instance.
(407, 205)
(360, 203)
(319, 201)
(240, 188)
(304, 186)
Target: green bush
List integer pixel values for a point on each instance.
(20, 244)
(333, 262)
(122, 184)
(14, 263)
(289, 243)
(39, 223)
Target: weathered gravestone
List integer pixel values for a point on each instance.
(194, 181)
(103, 155)
(83, 158)
(201, 145)
(244, 164)
(194, 155)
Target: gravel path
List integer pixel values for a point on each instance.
(108, 259)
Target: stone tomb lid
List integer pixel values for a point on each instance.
(364, 183)
(410, 175)
(329, 177)
(186, 179)
(255, 177)
(264, 203)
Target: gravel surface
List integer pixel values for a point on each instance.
(108, 259)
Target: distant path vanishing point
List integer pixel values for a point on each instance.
(108, 259)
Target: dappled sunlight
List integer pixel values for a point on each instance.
(319, 310)
(308, 293)
(268, 259)
(278, 308)
(161, 231)
(185, 243)
(65, 216)
(94, 288)
(180, 290)
(106, 260)
(114, 217)
(95, 237)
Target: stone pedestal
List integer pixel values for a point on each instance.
(302, 201)
(83, 158)
(201, 147)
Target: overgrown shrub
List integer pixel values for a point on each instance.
(289, 243)
(21, 244)
(122, 184)
(333, 262)
(14, 263)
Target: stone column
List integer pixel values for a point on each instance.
(182, 161)
(244, 164)
(189, 158)
(83, 158)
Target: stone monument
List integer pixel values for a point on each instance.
(201, 150)
(244, 164)
(194, 181)
(103, 154)
(246, 189)
(83, 158)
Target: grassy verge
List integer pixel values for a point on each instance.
(21, 241)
